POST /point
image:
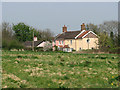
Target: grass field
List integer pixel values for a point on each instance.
(59, 70)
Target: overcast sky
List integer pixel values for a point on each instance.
(54, 15)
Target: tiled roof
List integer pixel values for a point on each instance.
(66, 46)
(71, 35)
(61, 46)
(68, 35)
(81, 35)
(30, 43)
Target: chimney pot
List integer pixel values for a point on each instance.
(83, 27)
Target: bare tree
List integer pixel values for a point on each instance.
(93, 28)
(109, 26)
(46, 35)
(7, 32)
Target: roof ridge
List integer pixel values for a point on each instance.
(34, 41)
(74, 31)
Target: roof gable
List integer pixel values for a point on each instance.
(89, 33)
(84, 34)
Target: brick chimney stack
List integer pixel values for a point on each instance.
(83, 27)
(64, 28)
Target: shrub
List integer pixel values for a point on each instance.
(28, 48)
(73, 50)
(56, 48)
(5, 44)
(114, 50)
(38, 48)
(11, 44)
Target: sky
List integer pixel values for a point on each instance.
(54, 15)
(60, 0)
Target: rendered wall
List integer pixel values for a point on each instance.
(83, 44)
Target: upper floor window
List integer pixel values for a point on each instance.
(62, 42)
(88, 40)
(54, 41)
(59, 42)
(71, 42)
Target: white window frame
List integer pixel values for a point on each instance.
(62, 41)
(54, 42)
(59, 42)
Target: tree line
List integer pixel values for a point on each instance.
(109, 37)
(13, 36)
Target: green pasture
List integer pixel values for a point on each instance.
(27, 69)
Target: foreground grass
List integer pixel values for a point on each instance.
(59, 70)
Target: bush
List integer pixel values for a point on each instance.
(56, 48)
(5, 44)
(114, 50)
(73, 50)
(12, 44)
(38, 48)
(28, 48)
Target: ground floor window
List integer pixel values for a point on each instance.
(67, 49)
(54, 42)
(62, 42)
(80, 48)
(59, 42)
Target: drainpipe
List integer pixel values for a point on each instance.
(88, 41)
(75, 44)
